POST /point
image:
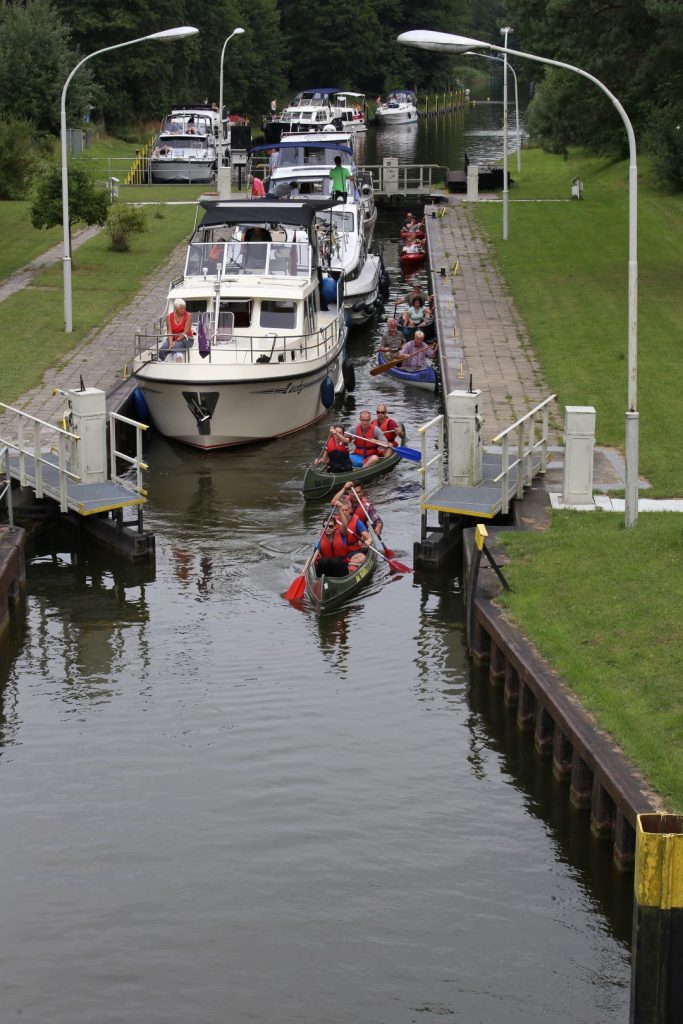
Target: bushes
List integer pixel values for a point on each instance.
(122, 223)
(18, 157)
(664, 140)
(87, 203)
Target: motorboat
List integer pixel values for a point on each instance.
(344, 253)
(267, 352)
(352, 109)
(185, 147)
(312, 110)
(400, 107)
(300, 166)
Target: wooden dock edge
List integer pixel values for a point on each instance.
(600, 778)
(12, 576)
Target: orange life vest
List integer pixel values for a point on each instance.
(365, 445)
(390, 432)
(354, 536)
(334, 548)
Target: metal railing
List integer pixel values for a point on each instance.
(436, 460)
(239, 349)
(524, 462)
(6, 486)
(405, 179)
(220, 259)
(134, 462)
(41, 439)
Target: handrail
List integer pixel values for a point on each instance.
(135, 461)
(427, 463)
(524, 451)
(6, 487)
(64, 438)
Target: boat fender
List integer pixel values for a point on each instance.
(370, 308)
(349, 375)
(384, 285)
(140, 408)
(359, 307)
(329, 289)
(348, 318)
(327, 392)
(379, 304)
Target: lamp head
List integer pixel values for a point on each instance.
(442, 42)
(238, 32)
(169, 34)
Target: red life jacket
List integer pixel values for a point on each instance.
(365, 444)
(354, 536)
(334, 548)
(389, 432)
(334, 445)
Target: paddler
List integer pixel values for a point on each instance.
(366, 451)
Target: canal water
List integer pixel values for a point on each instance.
(218, 808)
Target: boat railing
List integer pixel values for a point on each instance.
(222, 345)
(212, 260)
(431, 465)
(528, 444)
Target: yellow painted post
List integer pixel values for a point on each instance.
(657, 945)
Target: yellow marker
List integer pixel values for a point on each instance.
(449, 304)
(455, 330)
(480, 535)
(125, 372)
(461, 372)
(456, 267)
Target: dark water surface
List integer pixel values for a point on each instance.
(217, 808)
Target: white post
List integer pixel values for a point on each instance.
(506, 196)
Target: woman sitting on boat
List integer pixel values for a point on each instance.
(336, 454)
(414, 316)
(179, 338)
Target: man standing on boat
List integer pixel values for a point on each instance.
(340, 175)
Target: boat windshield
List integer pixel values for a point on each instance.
(342, 221)
(175, 143)
(312, 156)
(224, 259)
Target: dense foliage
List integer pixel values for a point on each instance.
(87, 203)
(633, 46)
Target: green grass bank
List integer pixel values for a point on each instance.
(602, 603)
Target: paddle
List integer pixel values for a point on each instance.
(297, 588)
(406, 453)
(383, 367)
(395, 565)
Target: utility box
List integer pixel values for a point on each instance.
(472, 183)
(88, 414)
(577, 188)
(464, 438)
(390, 175)
(579, 445)
(224, 180)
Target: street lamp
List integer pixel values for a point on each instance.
(506, 188)
(488, 56)
(224, 181)
(169, 34)
(444, 42)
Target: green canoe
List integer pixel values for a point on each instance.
(319, 483)
(327, 592)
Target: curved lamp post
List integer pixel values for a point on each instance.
(501, 60)
(444, 42)
(167, 35)
(221, 137)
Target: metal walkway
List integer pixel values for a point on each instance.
(485, 500)
(85, 499)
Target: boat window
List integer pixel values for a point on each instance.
(240, 309)
(343, 221)
(309, 326)
(278, 313)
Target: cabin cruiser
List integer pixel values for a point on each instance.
(300, 166)
(400, 107)
(312, 110)
(185, 148)
(266, 356)
(344, 253)
(352, 111)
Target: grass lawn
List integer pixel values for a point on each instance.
(31, 322)
(21, 242)
(602, 603)
(566, 265)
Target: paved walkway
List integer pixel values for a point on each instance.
(22, 277)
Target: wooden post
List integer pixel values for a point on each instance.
(602, 811)
(562, 755)
(543, 730)
(511, 689)
(526, 706)
(581, 789)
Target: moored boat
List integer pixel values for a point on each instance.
(426, 379)
(410, 259)
(400, 107)
(328, 592)
(185, 148)
(264, 358)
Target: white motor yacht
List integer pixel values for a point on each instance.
(312, 110)
(400, 107)
(267, 353)
(352, 110)
(185, 148)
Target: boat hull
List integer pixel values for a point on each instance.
(319, 484)
(326, 593)
(195, 172)
(222, 413)
(425, 380)
(395, 117)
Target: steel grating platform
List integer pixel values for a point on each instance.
(85, 499)
(485, 500)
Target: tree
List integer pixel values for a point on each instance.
(18, 157)
(36, 57)
(123, 222)
(87, 203)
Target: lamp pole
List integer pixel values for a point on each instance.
(167, 35)
(506, 189)
(225, 181)
(444, 42)
(488, 56)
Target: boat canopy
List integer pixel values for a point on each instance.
(259, 211)
(302, 145)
